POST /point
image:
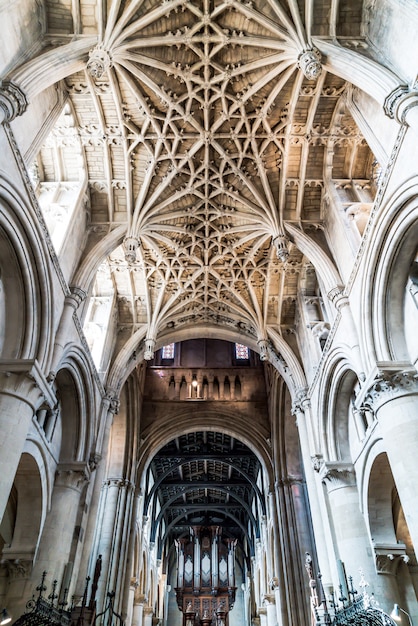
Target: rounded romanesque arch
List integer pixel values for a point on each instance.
(393, 247)
(25, 289)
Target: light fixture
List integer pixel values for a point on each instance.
(396, 614)
(5, 617)
(194, 381)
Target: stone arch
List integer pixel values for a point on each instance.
(31, 504)
(77, 371)
(334, 403)
(190, 420)
(74, 420)
(128, 358)
(392, 244)
(25, 286)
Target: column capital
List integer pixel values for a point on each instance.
(389, 562)
(337, 475)
(72, 475)
(301, 401)
(18, 375)
(13, 101)
(17, 568)
(76, 297)
(269, 598)
(390, 385)
(112, 398)
(399, 102)
(338, 297)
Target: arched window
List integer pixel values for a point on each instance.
(242, 353)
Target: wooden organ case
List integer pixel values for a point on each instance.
(205, 576)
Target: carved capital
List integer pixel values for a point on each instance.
(337, 297)
(269, 598)
(113, 400)
(12, 101)
(72, 476)
(301, 402)
(389, 562)
(18, 568)
(317, 462)
(94, 461)
(337, 475)
(309, 62)
(399, 102)
(76, 297)
(391, 385)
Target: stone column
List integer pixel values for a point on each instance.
(71, 304)
(112, 533)
(138, 610)
(147, 616)
(22, 389)
(58, 532)
(270, 603)
(394, 398)
(301, 410)
(350, 532)
(110, 406)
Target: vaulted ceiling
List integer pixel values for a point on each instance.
(208, 132)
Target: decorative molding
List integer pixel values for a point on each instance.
(13, 101)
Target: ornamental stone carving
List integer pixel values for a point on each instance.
(310, 63)
(390, 386)
(337, 297)
(72, 476)
(337, 475)
(301, 402)
(99, 62)
(12, 101)
(399, 102)
(282, 250)
(18, 568)
(131, 245)
(263, 346)
(149, 349)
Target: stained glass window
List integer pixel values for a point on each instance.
(168, 351)
(241, 352)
